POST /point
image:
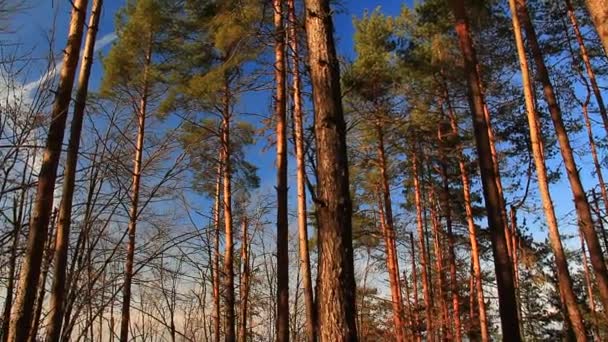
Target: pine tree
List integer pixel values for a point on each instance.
(335, 284)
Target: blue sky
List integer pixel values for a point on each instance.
(33, 27)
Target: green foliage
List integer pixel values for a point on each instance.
(202, 143)
(139, 28)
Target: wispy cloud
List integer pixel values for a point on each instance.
(99, 45)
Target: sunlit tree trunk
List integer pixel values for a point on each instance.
(447, 212)
(563, 274)
(298, 121)
(581, 203)
(589, 287)
(60, 258)
(134, 210)
(216, 252)
(466, 190)
(416, 323)
(423, 253)
(599, 15)
(336, 289)
(23, 307)
(282, 323)
(439, 267)
(392, 263)
(48, 253)
(502, 262)
(228, 276)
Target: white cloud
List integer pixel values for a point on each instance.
(99, 44)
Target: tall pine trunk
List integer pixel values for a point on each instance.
(428, 307)
(229, 320)
(60, 258)
(581, 203)
(282, 323)
(392, 261)
(48, 253)
(298, 121)
(561, 264)
(23, 307)
(466, 190)
(502, 262)
(216, 252)
(134, 210)
(446, 332)
(336, 289)
(589, 287)
(416, 319)
(598, 9)
(447, 212)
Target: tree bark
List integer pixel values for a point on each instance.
(589, 287)
(22, 310)
(423, 253)
(598, 9)
(69, 179)
(392, 262)
(447, 209)
(416, 325)
(134, 211)
(48, 253)
(581, 203)
(446, 332)
(216, 252)
(298, 120)
(229, 321)
(561, 263)
(282, 322)
(502, 262)
(466, 190)
(336, 290)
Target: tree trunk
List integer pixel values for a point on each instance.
(561, 264)
(48, 253)
(416, 324)
(22, 310)
(298, 120)
(65, 211)
(422, 246)
(589, 287)
(134, 211)
(392, 262)
(216, 254)
(441, 281)
(585, 56)
(336, 289)
(502, 262)
(496, 166)
(282, 323)
(466, 189)
(229, 321)
(598, 9)
(596, 163)
(244, 283)
(12, 262)
(445, 199)
(581, 203)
